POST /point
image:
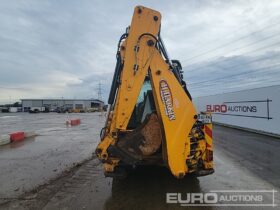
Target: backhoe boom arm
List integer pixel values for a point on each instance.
(159, 126)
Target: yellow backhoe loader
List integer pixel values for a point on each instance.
(151, 119)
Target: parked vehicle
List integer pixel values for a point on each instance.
(37, 109)
(13, 109)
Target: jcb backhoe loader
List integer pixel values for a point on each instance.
(151, 119)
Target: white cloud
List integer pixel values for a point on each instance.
(65, 48)
(62, 79)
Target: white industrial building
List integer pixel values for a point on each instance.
(52, 104)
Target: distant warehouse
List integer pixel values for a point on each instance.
(54, 104)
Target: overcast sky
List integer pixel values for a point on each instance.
(64, 48)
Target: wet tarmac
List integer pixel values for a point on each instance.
(34, 161)
(243, 161)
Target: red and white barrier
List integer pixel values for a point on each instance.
(15, 137)
(29, 134)
(4, 139)
(73, 122)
